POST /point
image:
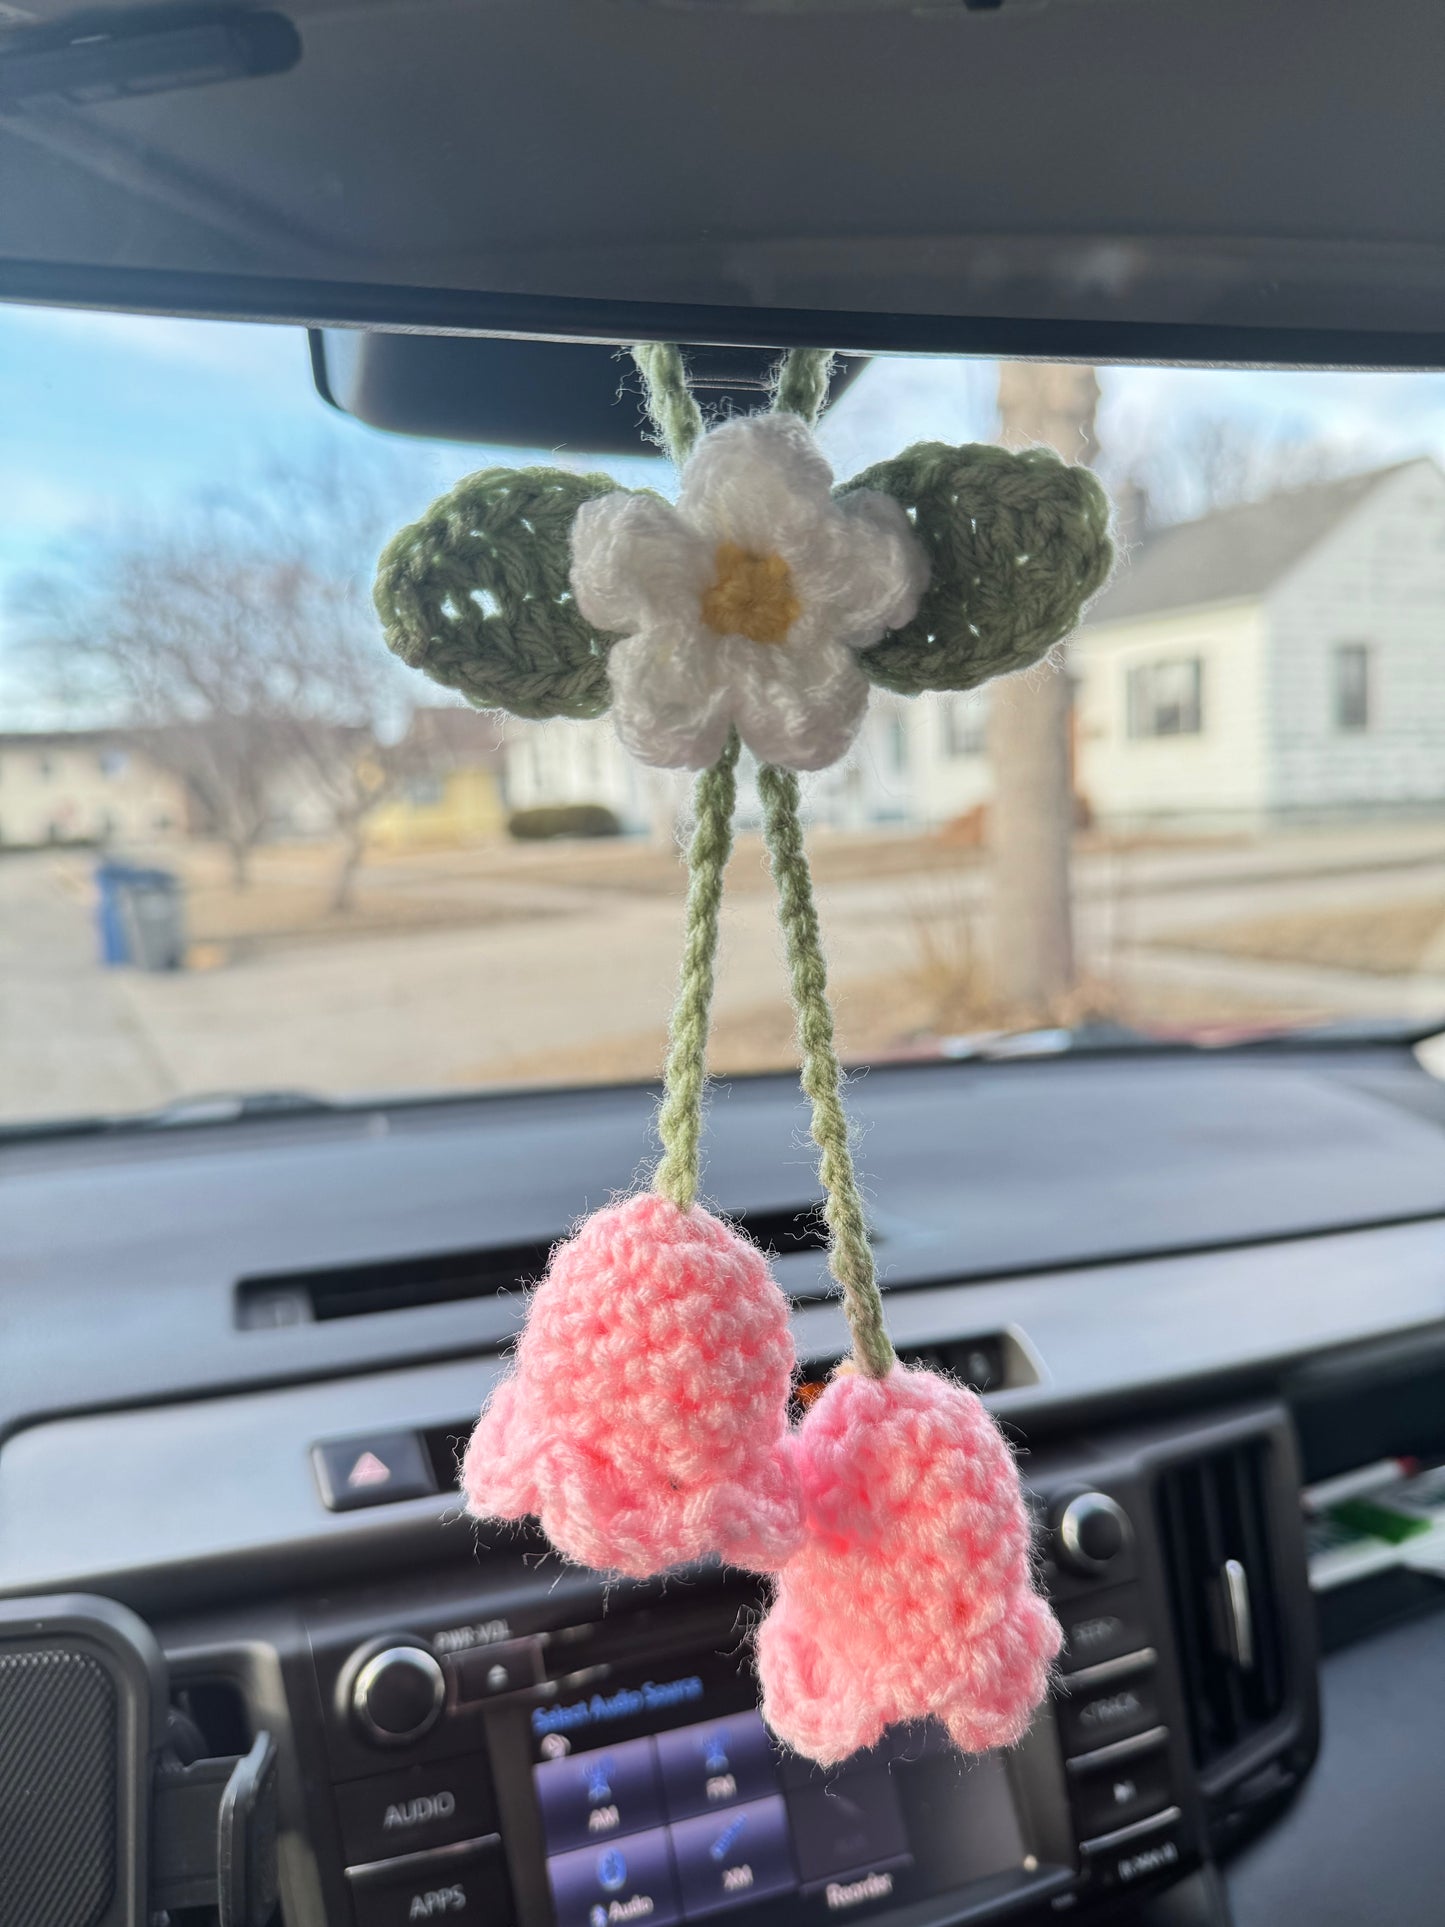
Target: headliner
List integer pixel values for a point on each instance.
(1204, 165)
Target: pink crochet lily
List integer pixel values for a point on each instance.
(645, 1423)
(912, 1592)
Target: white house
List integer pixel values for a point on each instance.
(74, 786)
(947, 755)
(1285, 659)
(567, 762)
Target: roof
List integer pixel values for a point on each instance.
(13, 739)
(1232, 553)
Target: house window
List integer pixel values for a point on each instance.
(1166, 698)
(1352, 686)
(965, 725)
(425, 792)
(112, 762)
(897, 741)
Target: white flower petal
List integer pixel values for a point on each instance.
(865, 569)
(634, 560)
(799, 708)
(760, 481)
(644, 569)
(670, 702)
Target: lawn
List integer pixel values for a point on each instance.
(1396, 939)
(288, 898)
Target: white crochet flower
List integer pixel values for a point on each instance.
(746, 604)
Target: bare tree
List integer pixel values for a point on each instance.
(342, 724)
(240, 642)
(157, 630)
(347, 702)
(1183, 466)
(1031, 819)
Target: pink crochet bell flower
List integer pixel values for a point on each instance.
(645, 1422)
(912, 1592)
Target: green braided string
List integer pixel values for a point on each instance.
(800, 386)
(678, 420)
(850, 1256)
(679, 1124)
(670, 402)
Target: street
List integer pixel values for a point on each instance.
(449, 1007)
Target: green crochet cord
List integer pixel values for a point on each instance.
(800, 387)
(679, 1124)
(850, 1255)
(670, 402)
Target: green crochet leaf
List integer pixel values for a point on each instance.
(1018, 544)
(476, 594)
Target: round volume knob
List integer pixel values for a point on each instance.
(1091, 1533)
(398, 1695)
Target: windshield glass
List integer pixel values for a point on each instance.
(242, 849)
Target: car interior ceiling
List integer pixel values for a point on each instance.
(257, 1666)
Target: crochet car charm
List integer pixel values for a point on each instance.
(645, 1421)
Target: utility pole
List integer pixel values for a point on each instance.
(1031, 821)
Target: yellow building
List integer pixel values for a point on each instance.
(454, 795)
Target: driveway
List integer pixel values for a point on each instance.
(70, 1039)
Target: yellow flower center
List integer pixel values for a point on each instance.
(751, 595)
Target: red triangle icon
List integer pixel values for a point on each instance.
(369, 1470)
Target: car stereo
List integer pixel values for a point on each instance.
(574, 1758)
(660, 1796)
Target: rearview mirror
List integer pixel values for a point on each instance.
(577, 396)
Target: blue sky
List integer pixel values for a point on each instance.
(103, 414)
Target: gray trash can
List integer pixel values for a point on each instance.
(152, 915)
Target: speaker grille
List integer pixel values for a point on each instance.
(57, 1789)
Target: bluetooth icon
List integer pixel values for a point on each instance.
(611, 1871)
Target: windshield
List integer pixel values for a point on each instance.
(243, 850)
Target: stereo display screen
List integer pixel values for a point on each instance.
(662, 1797)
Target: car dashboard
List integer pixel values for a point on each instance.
(239, 1359)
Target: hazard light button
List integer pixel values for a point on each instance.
(373, 1468)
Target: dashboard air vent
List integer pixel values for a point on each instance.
(1214, 1518)
(273, 1299)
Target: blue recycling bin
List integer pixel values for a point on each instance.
(108, 880)
(140, 916)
